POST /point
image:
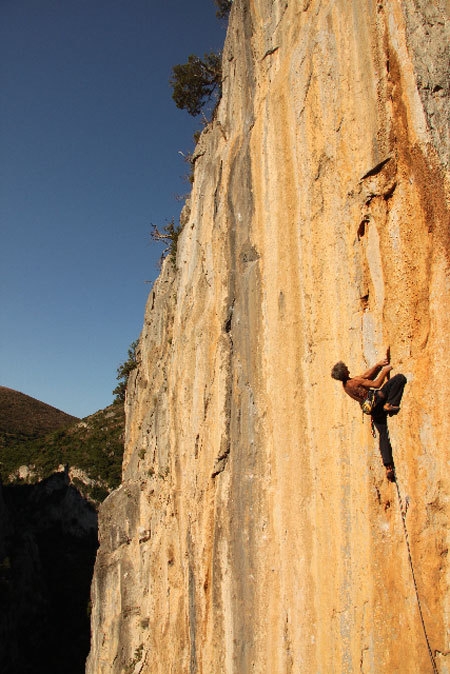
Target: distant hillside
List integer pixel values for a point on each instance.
(55, 471)
(91, 448)
(23, 415)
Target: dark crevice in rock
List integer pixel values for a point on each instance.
(376, 169)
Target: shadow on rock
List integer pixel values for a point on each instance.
(48, 545)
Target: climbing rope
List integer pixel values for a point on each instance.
(403, 510)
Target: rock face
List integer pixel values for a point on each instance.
(255, 530)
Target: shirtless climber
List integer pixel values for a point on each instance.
(387, 400)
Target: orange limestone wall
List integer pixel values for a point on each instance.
(255, 530)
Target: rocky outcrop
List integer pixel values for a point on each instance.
(254, 530)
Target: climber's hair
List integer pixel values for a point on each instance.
(340, 371)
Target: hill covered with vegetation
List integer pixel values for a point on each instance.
(24, 416)
(36, 440)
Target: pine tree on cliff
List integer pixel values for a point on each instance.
(223, 8)
(123, 372)
(194, 83)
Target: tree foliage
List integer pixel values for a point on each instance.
(124, 370)
(223, 8)
(169, 236)
(194, 83)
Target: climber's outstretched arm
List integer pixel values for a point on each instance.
(366, 382)
(374, 370)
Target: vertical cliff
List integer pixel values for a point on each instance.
(255, 530)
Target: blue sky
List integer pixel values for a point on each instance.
(89, 158)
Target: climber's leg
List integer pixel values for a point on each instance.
(392, 392)
(389, 403)
(380, 423)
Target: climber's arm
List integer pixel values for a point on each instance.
(374, 370)
(366, 382)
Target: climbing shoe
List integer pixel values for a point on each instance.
(391, 409)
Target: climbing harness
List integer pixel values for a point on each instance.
(367, 407)
(404, 510)
(369, 403)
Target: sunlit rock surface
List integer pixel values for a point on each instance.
(255, 530)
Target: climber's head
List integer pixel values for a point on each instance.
(340, 371)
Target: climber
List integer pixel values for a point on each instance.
(386, 400)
